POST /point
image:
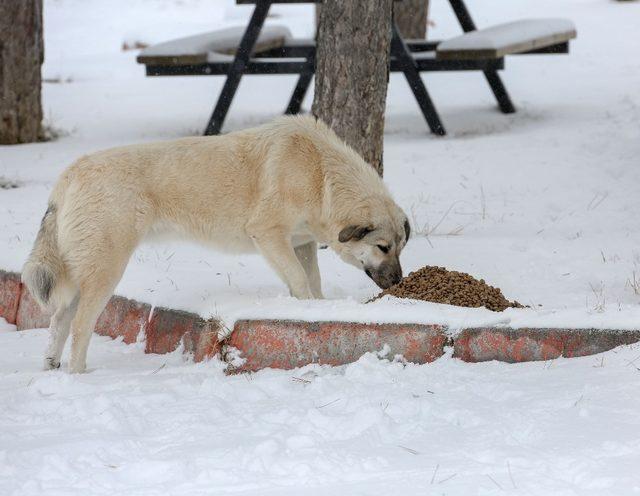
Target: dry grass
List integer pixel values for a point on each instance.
(51, 132)
(58, 80)
(426, 229)
(6, 183)
(599, 304)
(634, 283)
(135, 45)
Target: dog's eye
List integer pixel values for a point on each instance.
(383, 248)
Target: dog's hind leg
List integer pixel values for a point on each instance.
(96, 287)
(91, 303)
(308, 256)
(58, 332)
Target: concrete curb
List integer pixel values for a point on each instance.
(164, 330)
(167, 329)
(289, 344)
(10, 287)
(529, 345)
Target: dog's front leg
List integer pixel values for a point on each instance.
(308, 256)
(278, 250)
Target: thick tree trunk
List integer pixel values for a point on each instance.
(411, 18)
(21, 55)
(352, 72)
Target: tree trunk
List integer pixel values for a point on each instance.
(21, 55)
(352, 72)
(411, 18)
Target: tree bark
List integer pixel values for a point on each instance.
(21, 57)
(411, 18)
(352, 72)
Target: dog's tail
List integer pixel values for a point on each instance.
(45, 273)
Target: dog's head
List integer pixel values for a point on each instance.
(373, 240)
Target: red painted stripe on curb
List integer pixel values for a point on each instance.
(288, 344)
(124, 318)
(167, 329)
(10, 287)
(527, 345)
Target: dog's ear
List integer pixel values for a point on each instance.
(407, 229)
(353, 232)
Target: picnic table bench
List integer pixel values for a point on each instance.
(234, 52)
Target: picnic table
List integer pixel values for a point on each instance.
(235, 52)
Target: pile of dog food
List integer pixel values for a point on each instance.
(440, 285)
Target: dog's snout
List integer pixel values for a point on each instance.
(386, 275)
(395, 276)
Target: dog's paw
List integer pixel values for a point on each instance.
(50, 363)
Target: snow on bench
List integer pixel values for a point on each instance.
(216, 46)
(512, 37)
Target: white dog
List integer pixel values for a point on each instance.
(280, 189)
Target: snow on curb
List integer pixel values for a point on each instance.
(285, 344)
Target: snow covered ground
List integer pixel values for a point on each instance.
(146, 425)
(542, 203)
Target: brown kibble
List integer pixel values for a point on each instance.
(439, 285)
